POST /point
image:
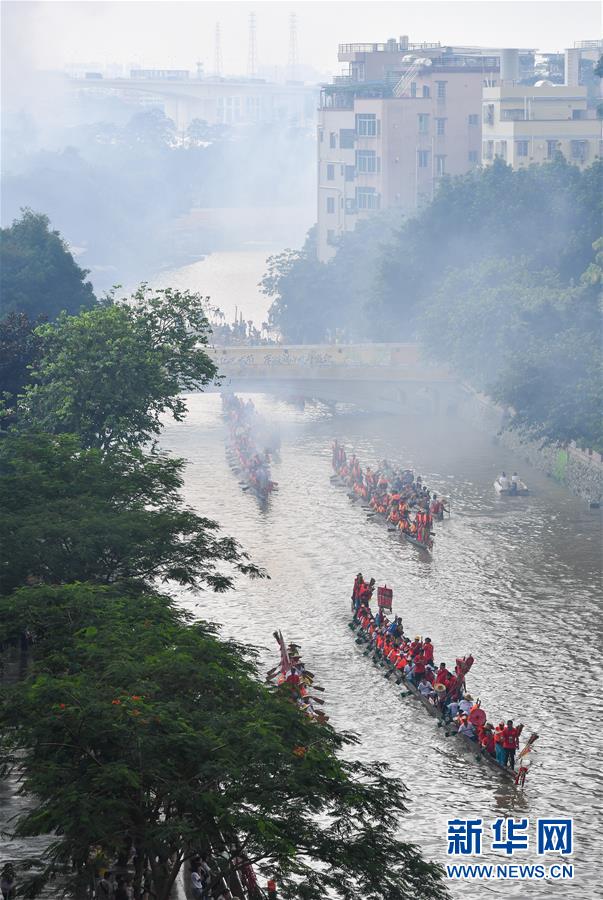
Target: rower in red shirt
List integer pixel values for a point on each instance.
(428, 651)
(443, 676)
(510, 742)
(419, 668)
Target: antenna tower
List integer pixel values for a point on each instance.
(252, 57)
(218, 51)
(292, 62)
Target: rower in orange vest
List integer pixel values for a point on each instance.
(498, 743)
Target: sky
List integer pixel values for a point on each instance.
(178, 33)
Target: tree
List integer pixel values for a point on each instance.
(528, 340)
(556, 388)
(136, 726)
(150, 127)
(110, 373)
(19, 349)
(199, 131)
(71, 514)
(314, 301)
(38, 274)
(297, 282)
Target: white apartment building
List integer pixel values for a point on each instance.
(524, 124)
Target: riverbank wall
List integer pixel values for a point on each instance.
(579, 470)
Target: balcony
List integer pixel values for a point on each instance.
(341, 94)
(350, 51)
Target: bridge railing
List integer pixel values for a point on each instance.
(384, 361)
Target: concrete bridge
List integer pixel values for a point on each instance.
(380, 375)
(215, 100)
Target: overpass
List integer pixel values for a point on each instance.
(221, 101)
(385, 375)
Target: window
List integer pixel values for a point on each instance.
(440, 165)
(321, 135)
(367, 161)
(473, 119)
(522, 148)
(422, 158)
(330, 205)
(512, 115)
(367, 198)
(440, 126)
(441, 86)
(367, 125)
(413, 88)
(502, 149)
(551, 149)
(350, 172)
(350, 205)
(473, 156)
(579, 150)
(332, 140)
(488, 149)
(426, 91)
(488, 114)
(330, 172)
(578, 113)
(423, 123)
(346, 138)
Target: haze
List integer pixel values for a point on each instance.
(179, 34)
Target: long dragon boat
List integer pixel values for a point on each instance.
(451, 729)
(390, 496)
(251, 464)
(291, 675)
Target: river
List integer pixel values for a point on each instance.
(515, 582)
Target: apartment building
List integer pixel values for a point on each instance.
(401, 118)
(530, 124)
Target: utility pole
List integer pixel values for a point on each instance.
(252, 57)
(218, 51)
(292, 62)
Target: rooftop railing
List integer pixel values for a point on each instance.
(390, 46)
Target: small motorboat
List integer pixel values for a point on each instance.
(514, 489)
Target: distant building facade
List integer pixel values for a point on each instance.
(525, 124)
(403, 115)
(401, 118)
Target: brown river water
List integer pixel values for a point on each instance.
(516, 582)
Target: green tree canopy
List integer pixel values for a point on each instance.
(110, 373)
(38, 274)
(137, 726)
(529, 341)
(72, 514)
(19, 349)
(314, 301)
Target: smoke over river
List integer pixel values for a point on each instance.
(515, 582)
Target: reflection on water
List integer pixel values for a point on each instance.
(229, 278)
(514, 581)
